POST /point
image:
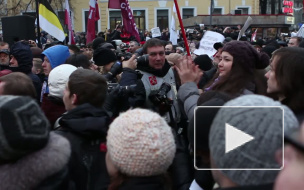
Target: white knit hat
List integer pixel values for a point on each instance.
(140, 143)
(58, 78)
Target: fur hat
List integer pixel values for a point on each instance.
(264, 124)
(140, 143)
(103, 56)
(204, 62)
(58, 78)
(24, 128)
(245, 54)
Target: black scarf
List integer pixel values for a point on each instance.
(144, 66)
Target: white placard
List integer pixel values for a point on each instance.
(189, 30)
(155, 32)
(245, 27)
(207, 42)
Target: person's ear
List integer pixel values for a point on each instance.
(74, 99)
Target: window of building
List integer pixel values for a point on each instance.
(86, 16)
(188, 12)
(140, 19)
(115, 18)
(245, 10)
(217, 11)
(162, 19)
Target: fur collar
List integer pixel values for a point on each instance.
(29, 171)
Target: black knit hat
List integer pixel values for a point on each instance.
(103, 56)
(24, 128)
(245, 54)
(203, 62)
(97, 41)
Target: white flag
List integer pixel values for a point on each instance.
(301, 31)
(173, 31)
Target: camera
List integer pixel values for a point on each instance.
(160, 96)
(122, 90)
(115, 70)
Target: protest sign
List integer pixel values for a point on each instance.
(155, 32)
(207, 42)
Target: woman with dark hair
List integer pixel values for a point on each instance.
(286, 79)
(240, 72)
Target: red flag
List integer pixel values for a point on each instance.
(67, 21)
(253, 36)
(128, 20)
(93, 17)
(114, 4)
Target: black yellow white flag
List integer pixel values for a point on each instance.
(49, 21)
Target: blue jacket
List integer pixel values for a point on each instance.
(57, 55)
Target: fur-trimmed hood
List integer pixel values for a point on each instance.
(28, 172)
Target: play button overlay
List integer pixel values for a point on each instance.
(235, 138)
(238, 137)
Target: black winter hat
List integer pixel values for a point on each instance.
(97, 41)
(103, 56)
(245, 54)
(203, 62)
(24, 127)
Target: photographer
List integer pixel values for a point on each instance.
(157, 83)
(107, 58)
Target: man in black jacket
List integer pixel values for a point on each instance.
(85, 125)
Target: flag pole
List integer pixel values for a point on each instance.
(182, 28)
(38, 25)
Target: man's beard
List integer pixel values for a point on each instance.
(6, 63)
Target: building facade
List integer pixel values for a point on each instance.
(152, 13)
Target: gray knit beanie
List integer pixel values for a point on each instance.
(265, 125)
(23, 127)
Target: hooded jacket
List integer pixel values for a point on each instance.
(23, 54)
(57, 55)
(86, 128)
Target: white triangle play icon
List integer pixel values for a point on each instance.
(235, 138)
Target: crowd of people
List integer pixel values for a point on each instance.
(107, 116)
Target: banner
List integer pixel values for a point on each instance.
(207, 42)
(93, 17)
(128, 20)
(68, 22)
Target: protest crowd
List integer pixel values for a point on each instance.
(118, 113)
